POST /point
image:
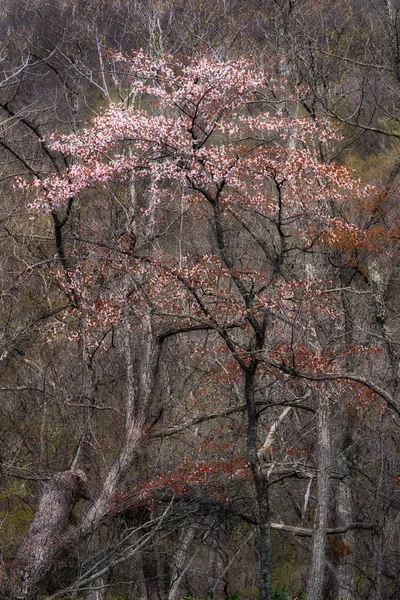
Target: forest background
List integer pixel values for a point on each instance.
(199, 304)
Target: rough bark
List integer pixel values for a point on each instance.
(317, 568)
(46, 535)
(261, 486)
(345, 571)
(264, 516)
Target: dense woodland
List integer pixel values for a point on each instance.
(200, 294)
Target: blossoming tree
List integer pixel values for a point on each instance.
(256, 210)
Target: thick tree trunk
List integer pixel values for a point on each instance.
(261, 486)
(345, 570)
(317, 569)
(46, 535)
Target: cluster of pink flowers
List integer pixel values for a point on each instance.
(209, 129)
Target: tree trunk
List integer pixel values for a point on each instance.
(316, 576)
(97, 589)
(213, 562)
(181, 561)
(262, 493)
(98, 592)
(345, 571)
(261, 486)
(46, 535)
